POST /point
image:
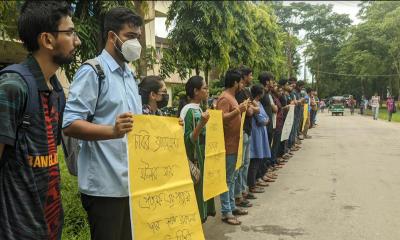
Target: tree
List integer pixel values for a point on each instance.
(200, 37)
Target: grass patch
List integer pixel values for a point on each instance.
(75, 225)
(384, 115)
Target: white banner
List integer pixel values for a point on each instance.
(287, 127)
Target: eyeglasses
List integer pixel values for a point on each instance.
(70, 32)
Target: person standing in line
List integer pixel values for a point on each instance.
(259, 149)
(375, 106)
(30, 197)
(241, 188)
(154, 95)
(232, 112)
(390, 105)
(103, 158)
(267, 102)
(276, 152)
(195, 121)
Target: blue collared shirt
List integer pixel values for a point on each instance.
(103, 165)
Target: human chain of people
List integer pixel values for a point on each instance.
(144, 173)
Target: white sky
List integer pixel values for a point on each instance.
(343, 7)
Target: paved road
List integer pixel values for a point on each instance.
(343, 185)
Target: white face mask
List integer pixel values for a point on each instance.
(130, 49)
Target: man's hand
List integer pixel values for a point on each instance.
(243, 106)
(123, 124)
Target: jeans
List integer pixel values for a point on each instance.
(375, 112)
(390, 116)
(241, 180)
(228, 198)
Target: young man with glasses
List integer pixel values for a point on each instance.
(103, 158)
(31, 105)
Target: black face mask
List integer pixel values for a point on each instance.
(164, 101)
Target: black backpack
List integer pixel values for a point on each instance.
(71, 145)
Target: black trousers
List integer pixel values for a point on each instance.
(253, 170)
(276, 146)
(109, 218)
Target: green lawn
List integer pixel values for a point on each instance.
(75, 226)
(384, 115)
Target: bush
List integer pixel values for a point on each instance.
(75, 225)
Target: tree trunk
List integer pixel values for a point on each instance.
(142, 70)
(206, 75)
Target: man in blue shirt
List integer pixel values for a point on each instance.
(103, 158)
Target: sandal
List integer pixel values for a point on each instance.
(266, 179)
(250, 196)
(239, 212)
(256, 190)
(245, 204)
(231, 220)
(262, 184)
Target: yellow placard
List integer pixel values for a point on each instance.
(162, 199)
(305, 116)
(240, 150)
(214, 182)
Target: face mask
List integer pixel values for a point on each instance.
(130, 49)
(164, 101)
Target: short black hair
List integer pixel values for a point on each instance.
(256, 90)
(265, 77)
(300, 83)
(149, 84)
(232, 76)
(115, 19)
(195, 82)
(40, 16)
(308, 90)
(282, 82)
(292, 79)
(245, 70)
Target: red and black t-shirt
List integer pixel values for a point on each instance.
(30, 200)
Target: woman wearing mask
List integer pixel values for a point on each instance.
(194, 124)
(154, 95)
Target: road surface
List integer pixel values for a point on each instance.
(343, 184)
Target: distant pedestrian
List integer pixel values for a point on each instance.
(375, 106)
(352, 104)
(391, 107)
(322, 105)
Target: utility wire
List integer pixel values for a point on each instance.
(355, 75)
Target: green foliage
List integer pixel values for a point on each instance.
(215, 87)
(8, 19)
(75, 225)
(87, 19)
(200, 37)
(220, 34)
(373, 49)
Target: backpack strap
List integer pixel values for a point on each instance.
(94, 63)
(31, 104)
